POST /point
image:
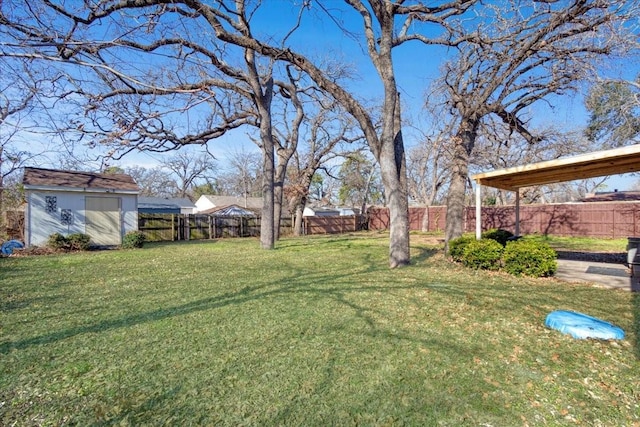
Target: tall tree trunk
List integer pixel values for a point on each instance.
(425, 220)
(300, 198)
(277, 209)
(393, 169)
(297, 226)
(267, 229)
(263, 95)
(278, 195)
(464, 142)
(1, 183)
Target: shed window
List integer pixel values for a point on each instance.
(66, 217)
(51, 204)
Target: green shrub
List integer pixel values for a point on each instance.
(456, 246)
(484, 254)
(78, 242)
(133, 240)
(73, 242)
(499, 235)
(530, 258)
(58, 242)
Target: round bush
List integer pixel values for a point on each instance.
(78, 242)
(499, 235)
(484, 254)
(456, 246)
(529, 258)
(58, 242)
(133, 240)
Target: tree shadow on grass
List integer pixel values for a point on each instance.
(420, 254)
(243, 295)
(14, 302)
(323, 284)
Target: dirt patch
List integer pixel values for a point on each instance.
(427, 239)
(32, 251)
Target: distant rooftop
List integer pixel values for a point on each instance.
(244, 202)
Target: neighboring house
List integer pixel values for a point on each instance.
(348, 211)
(207, 202)
(232, 210)
(103, 206)
(320, 211)
(161, 205)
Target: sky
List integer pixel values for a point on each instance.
(416, 66)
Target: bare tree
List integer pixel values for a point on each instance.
(242, 176)
(615, 112)
(303, 178)
(25, 96)
(498, 147)
(386, 26)
(153, 182)
(189, 169)
(287, 132)
(318, 126)
(426, 163)
(519, 57)
(360, 181)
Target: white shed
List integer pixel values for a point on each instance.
(102, 206)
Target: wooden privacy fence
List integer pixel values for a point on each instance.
(606, 219)
(334, 224)
(162, 227)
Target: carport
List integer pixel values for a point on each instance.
(598, 163)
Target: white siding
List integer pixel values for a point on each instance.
(40, 224)
(204, 203)
(129, 212)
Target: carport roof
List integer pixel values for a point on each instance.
(590, 165)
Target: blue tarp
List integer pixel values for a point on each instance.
(8, 247)
(581, 326)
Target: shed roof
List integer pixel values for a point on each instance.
(590, 165)
(53, 179)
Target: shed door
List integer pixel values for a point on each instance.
(103, 220)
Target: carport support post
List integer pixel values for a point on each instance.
(517, 212)
(478, 211)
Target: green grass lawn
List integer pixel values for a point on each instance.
(318, 331)
(588, 244)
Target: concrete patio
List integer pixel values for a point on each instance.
(608, 275)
